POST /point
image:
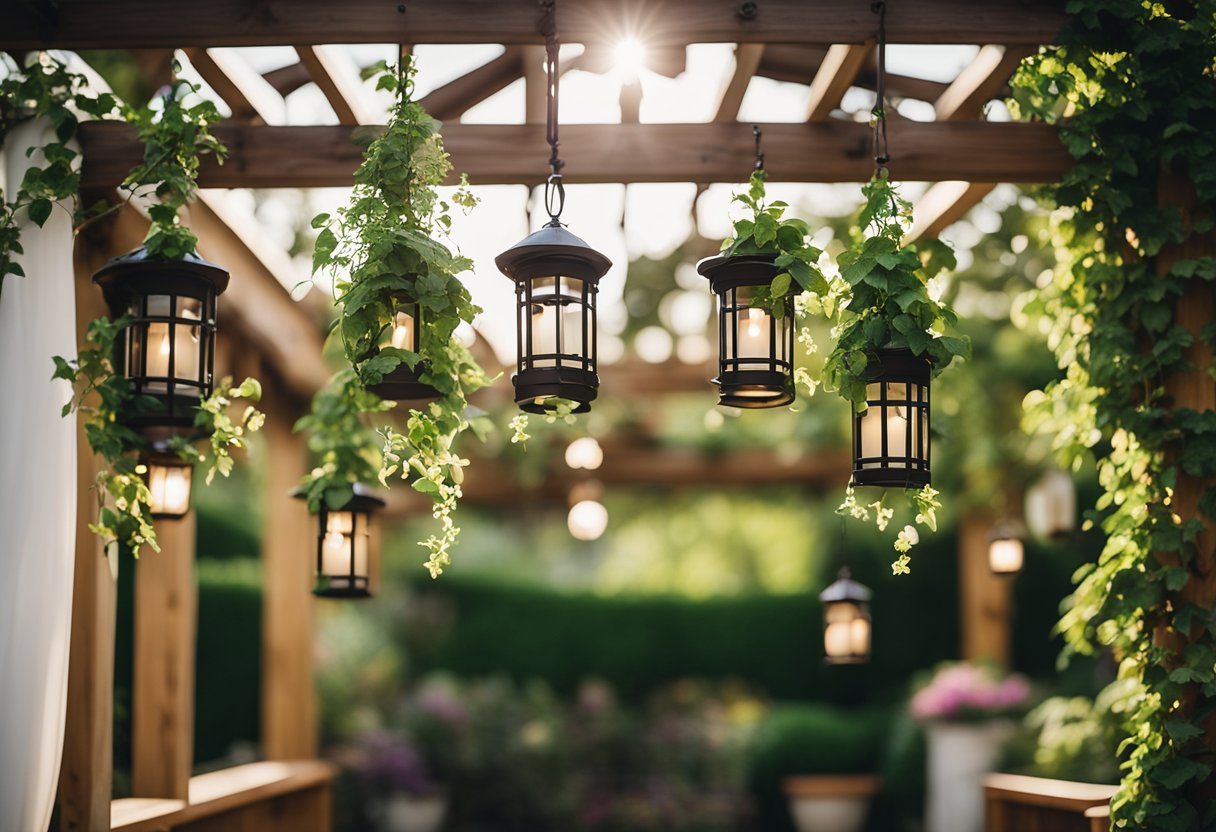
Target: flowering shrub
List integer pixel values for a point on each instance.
(963, 691)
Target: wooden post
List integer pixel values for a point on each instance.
(984, 598)
(289, 711)
(86, 772)
(162, 695)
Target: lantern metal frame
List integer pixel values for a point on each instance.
(893, 367)
(554, 254)
(162, 457)
(350, 584)
(403, 383)
(845, 590)
(1006, 532)
(740, 383)
(128, 283)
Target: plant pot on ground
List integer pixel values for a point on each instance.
(832, 802)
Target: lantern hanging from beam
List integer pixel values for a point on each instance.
(344, 546)
(556, 278)
(755, 349)
(168, 478)
(405, 333)
(1006, 552)
(1051, 505)
(846, 620)
(168, 350)
(891, 436)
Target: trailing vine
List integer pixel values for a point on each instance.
(381, 246)
(1137, 82)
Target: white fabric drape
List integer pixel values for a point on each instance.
(37, 507)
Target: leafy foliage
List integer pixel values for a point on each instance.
(222, 431)
(44, 89)
(382, 247)
(175, 134)
(1137, 80)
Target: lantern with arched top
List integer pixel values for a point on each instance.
(755, 348)
(556, 277)
(168, 478)
(891, 436)
(846, 620)
(404, 383)
(344, 546)
(168, 350)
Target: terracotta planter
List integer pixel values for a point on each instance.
(830, 803)
(961, 754)
(407, 813)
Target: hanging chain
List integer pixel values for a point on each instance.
(882, 153)
(759, 153)
(555, 193)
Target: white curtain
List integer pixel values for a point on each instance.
(37, 506)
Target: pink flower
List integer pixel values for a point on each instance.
(963, 687)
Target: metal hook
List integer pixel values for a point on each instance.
(555, 191)
(759, 153)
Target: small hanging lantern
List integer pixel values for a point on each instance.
(755, 349)
(891, 436)
(344, 546)
(168, 351)
(846, 620)
(402, 383)
(168, 477)
(1005, 550)
(556, 278)
(1051, 506)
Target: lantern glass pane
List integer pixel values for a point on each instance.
(169, 489)
(1005, 555)
(846, 633)
(170, 340)
(555, 323)
(403, 334)
(345, 537)
(890, 428)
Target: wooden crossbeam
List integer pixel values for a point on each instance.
(799, 64)
(470, 89)
(944, 204)
(237, 84)
(747, 60)
(76, 24)
(979, 82)
(835, 75)
(338, 82)
(834, 151)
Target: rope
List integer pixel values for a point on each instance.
(759, 153)
(882, 153)
(555, 193)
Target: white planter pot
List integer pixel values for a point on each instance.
(406, 813)
(830, 803)
(960, 756)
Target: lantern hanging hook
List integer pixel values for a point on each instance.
(555, 193)
(758, 133)
(878, 116)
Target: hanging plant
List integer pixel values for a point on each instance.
(382, 251)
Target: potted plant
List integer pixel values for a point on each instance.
(967, 710)
(401, 299)
(757, 275)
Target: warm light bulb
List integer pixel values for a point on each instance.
(164, 344)
(587, 519)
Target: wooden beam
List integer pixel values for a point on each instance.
(798, 65)
(289, 709)
(747, 59)
(985, 599)
(326, 156)
(237, 84)
(840, 66)
(150, 23)
(162, 686)
(944, 204)
(979, 82)
(334, 77)
(470, 89)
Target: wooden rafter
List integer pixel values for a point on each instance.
(944, 204)
(470, 89)
(325, 156)
(747, 60)
(152, 23)
(237, 84)
(979, 82)
(798, 65)
(337, 81)
(836, 74)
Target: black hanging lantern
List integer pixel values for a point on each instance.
(168, 478)
(556, 278)
(755, 349)
(1006, 552)
(344, 550)
(168, 351)
(846, 621)
(403, 383)
(891, 436)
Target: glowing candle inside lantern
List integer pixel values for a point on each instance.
(336, 549)
(847, 631)
(859, 637)
(1005, 555)
(897, 430)
(183, 345)
(169, 488)
(755, 327)
(546, 339)
(836, 639)
(403, 331)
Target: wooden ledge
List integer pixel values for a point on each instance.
(1040, 791)
(220, 791)
(831, 785)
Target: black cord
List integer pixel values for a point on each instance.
(882, 153)
(759, 153)
(555, 193)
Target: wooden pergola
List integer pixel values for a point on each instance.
(825, 44)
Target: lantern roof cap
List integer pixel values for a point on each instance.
(844, 588)
(1007, 530)
(551, 240)
(117, 268)
(364, 499)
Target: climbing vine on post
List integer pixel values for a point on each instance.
(1137, 83)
